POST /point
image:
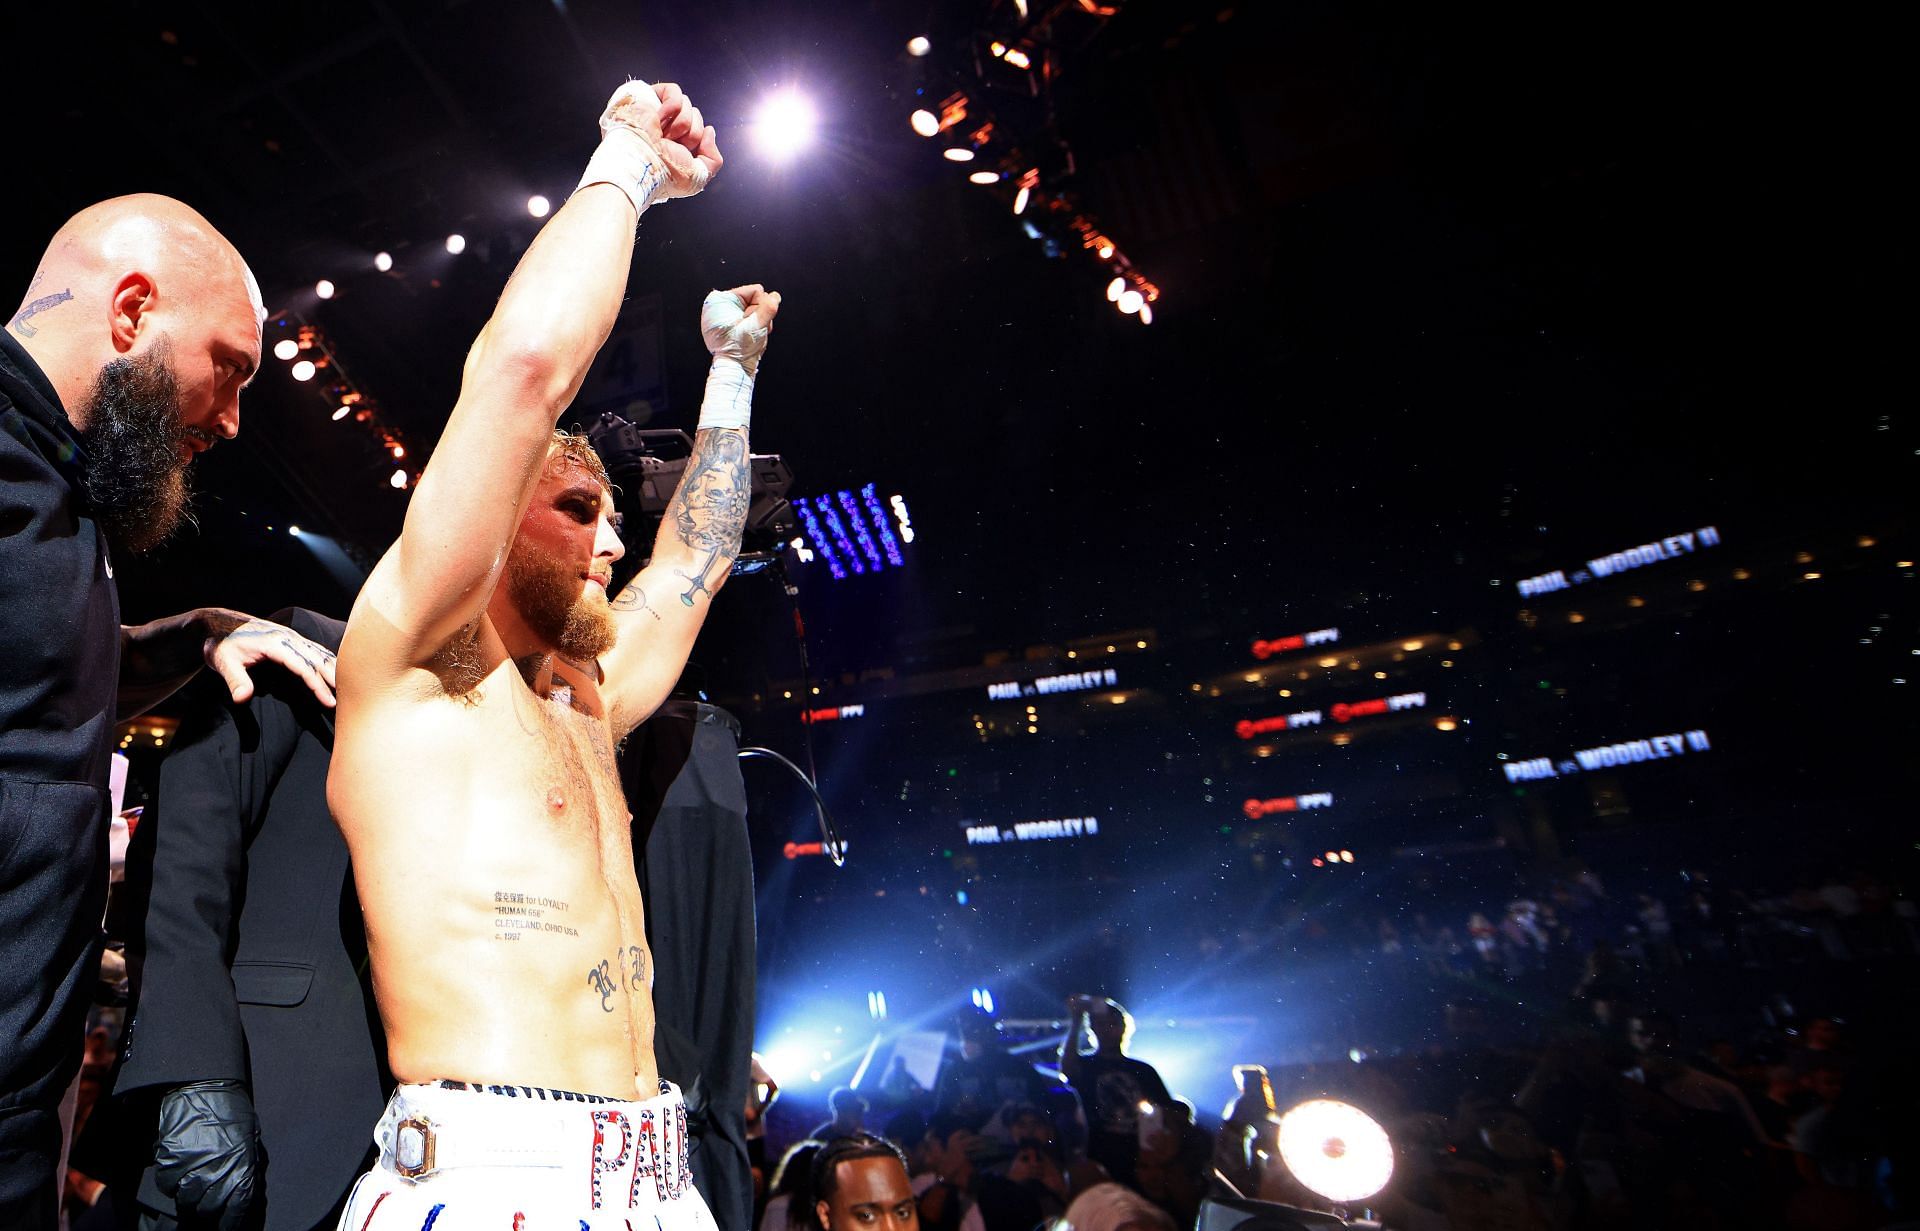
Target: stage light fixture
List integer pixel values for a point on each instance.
(1114, 288)
(285, 348)
(1146, 315)
(1020, 200)
(383, 261)
(1018, 58)
(456, 243)
(323, 288)
(1130, 301)
(1335, 1149)
(303, 370)
(784, 125)
(957, 153)
(342, 413)
(984, 177)
(998, 48)
(399, 479)
(1105, 251)
(538, 206)
(918, 45)
(293, 531)
(399, 451)
(925, 122)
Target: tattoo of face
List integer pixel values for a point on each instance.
(709, 508)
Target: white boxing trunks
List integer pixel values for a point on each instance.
(459, 1157)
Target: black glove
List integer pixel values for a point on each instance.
(207, 1153)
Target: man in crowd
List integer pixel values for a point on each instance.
(860, 1184)
(485, 682)
(1112, 1085)
(124, 361)
(253, 1065)
(846, 1115)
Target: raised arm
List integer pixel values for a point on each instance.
(659, 613)
(521, 373)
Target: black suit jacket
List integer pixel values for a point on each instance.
(247, 942)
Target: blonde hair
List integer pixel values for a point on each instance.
(572, 449)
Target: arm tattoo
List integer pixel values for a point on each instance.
(709, 508)
(633, 598)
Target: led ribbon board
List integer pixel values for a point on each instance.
(1608, 756)
(1047, 685)
(1599, 567)
(1033, 831)
(1343, 712)
(1254, 809)
(833, 713)
(1299, 641)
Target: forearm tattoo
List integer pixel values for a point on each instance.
(709, 508)
(633, 598)
(626, 970)
(525, 914)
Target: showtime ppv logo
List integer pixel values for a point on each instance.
(1257, 808)
(1247, 728)
(1264, 650)
(835, 713)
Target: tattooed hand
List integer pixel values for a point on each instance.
(240, 641)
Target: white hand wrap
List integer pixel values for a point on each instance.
(633, 155)
(736, 339)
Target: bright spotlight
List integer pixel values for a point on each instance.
(303, 370)
(1114, 288)
(984, 177)
(294, 531)
(958, 153)
(925, 122)
(399, 451)
(1146, 315)
(323, 288)
(285, 348)
(398, 480)
(1020, 200)
(1105, 251)
(784, 125)
(539, 206)
(456, 243)
(383, 261)
(1336, 1149)
(918, 45)
(1130, 301)
(342, 413)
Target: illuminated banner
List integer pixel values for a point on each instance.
(799, 850)
(1033, 831)
(1254, 809)
(1608, 756)
(1669, 548)
(1345, 711)
(1299, 641)
(1077, 681)
(833, 713)
(854, 533)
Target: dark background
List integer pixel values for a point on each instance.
(1449, 299)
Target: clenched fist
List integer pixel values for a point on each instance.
(736, 324)
(684, 147)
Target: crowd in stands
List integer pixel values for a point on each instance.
(1664, 1079)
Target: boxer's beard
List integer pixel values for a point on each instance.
(135, 483)
(557, 605)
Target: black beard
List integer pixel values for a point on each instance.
(553, 601)
(135, 483)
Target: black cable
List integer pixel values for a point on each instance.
(829, 837)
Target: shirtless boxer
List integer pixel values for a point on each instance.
(485, 679)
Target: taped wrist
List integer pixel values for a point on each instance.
(627, 162)
(729, 397)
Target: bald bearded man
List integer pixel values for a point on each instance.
(124, 361)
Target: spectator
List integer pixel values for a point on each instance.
(1115, 1089)
(1109, 1207)
(790, 1208)
(847, 1115)
(761, 1094)
(860, 1184)
(984, 1078)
